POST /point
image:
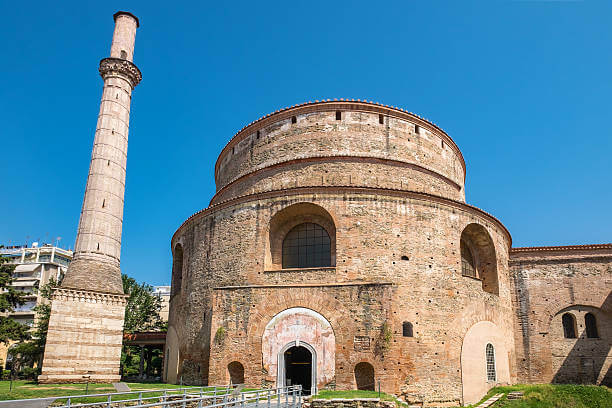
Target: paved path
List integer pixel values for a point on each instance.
(27, 404)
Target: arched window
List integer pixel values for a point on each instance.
(569, 326)
(490, 355)
(177, 269)
(307, 245)
(236, 372)
(591, 326)
(467, 261)
(478, 259)
(407, 329)
(364, 376)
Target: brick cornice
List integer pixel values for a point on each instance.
(568, 252)
(304, 285)
(561, 248)
(344, 105)
(335, 158)
(339, 190)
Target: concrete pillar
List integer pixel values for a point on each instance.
(86, 324)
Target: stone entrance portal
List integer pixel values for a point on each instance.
(298, 366)
(299, 347)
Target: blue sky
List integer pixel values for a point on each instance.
(523, 87)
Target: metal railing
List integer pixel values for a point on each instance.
(200, 397)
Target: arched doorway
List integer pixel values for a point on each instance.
(298, 367)
(364, 376)
(299, 326)
(297, 364)
(236, 372)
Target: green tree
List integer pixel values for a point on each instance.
(141, 314)
(143, 307)
(28, 353)
(10, 330)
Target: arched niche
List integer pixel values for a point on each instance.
(235, 371)
(177, 270)
(171, 357)
(364, 376)
(294, 327)
(474, 377)
(290, 217)
(477, 243)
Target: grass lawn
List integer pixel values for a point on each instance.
(555, 396)
(29, 389)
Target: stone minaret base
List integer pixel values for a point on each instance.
(84, 338)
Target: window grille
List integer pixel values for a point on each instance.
(307, 246)
(490, 355)
(467, 261)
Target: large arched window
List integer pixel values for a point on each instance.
(307, 245)
(478, 259)
(591, 326)
(490, 356)
(569, 326)
(467, 261)
(177, 269)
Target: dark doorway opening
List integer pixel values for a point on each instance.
(364, 376)
(298, 368)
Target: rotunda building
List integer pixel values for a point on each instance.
(339, 251)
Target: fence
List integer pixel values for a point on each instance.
(200, 397)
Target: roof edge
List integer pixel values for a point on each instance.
(559, 248)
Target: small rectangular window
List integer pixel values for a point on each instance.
(338, 115)
(258, 134)
(417, 129)
(293, 119)
(381, 119)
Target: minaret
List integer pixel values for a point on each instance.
(87, 311)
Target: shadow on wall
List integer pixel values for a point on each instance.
(588, 360)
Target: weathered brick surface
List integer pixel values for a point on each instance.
(547, 283)
(227, 247)
(391, 198)
(356, 150)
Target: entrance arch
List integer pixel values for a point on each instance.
(295, 327)
(297, 364)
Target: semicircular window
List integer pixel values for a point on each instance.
(307, 245)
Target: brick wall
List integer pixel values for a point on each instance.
(227, 247)
(549, 282)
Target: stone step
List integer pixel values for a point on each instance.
(515, 395)
(490, 401)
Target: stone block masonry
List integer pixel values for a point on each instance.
(84, 338)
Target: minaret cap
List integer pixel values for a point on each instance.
(126, 13)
